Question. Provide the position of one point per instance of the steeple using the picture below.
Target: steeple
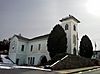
(70, 25)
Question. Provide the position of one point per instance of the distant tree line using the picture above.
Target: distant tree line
(4, 46)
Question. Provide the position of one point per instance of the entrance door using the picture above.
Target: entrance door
(17, 61)
(74, 51)
(43, 60)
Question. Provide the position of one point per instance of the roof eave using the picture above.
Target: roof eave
(70, 17)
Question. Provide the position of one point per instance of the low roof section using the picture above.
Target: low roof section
(24, 38)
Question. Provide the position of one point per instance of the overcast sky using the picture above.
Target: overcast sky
(33, 18)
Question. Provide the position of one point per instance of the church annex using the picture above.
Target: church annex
(34, 51)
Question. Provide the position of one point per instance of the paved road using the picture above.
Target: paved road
(30, 71)
(95, 71)
(24, 71)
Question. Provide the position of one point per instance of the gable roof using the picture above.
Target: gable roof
(69, 17)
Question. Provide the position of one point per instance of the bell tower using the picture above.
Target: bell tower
(70, 24)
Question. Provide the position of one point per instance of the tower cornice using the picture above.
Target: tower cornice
(69, 17)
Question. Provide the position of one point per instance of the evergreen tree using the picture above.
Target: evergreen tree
(86, 48)
(57, 41)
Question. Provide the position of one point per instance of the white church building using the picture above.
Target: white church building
(34, 51)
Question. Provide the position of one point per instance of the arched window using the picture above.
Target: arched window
(66, 27)
(74, 40)
(74, 28)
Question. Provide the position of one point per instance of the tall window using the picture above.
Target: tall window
(74, 28)
(66, 27)
(28, 60)
(22, 49)
(39, 46)
(33, 60)
(31, 47)
(74, 40)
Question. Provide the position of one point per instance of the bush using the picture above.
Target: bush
(86, 48)
(72, 62)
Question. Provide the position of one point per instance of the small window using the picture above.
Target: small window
(39, 47)
(66, 27)
(31, 47)
(74, 28)
(22, 49)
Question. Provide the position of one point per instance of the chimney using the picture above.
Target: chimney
(20, 34)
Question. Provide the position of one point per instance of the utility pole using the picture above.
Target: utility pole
(95, 49)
